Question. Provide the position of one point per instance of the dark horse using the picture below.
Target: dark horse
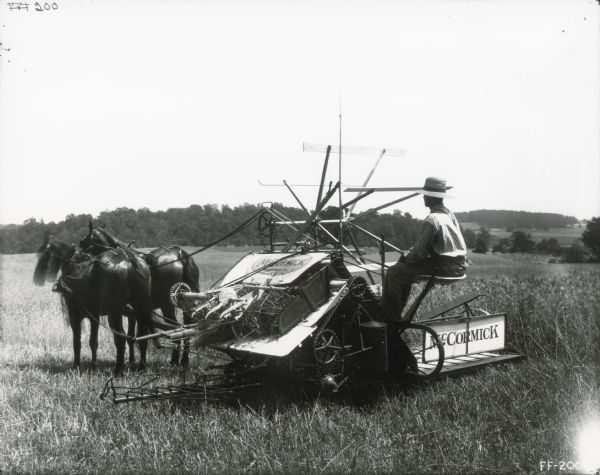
(168, 266)
(92, 286)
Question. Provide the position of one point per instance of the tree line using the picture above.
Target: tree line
(516, 220)
(195, 225)
(198, 225)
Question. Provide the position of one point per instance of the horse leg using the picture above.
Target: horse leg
(168, 311)
(142, 314)
(128, 312)
(130, 339)
(94, 323)
(75, 322)
(115, 320)
(185, 357)
(143, 347)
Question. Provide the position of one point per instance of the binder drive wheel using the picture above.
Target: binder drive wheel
(423, 351)
(327, 353)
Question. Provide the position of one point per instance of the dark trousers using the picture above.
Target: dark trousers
(396, 291)
(400, 277)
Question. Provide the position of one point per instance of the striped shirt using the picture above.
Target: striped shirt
(439, 236)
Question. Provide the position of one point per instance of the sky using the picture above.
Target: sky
(162, 104)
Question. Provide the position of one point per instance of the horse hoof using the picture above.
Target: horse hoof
(139, 367)
(118, 370)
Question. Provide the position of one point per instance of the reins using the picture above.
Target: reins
(189, 254)
(214, 243)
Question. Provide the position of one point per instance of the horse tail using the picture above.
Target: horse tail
(65, 310)
(47, 266)
(41, 268)
(191, 273)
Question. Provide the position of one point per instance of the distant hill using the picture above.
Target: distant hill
(511, 220)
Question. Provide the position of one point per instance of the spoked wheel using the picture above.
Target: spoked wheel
(327, 352)
(326, 347)
(426, 348)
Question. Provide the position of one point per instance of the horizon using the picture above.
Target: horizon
(220, 206)
(150, 104)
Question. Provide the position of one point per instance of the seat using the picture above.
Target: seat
(441, 279)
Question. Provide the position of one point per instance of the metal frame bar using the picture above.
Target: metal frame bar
(360, 256)
(373, 210)
(354, 225)
(284, 219)
(296, 197)
(354, 200)
(315, 236)
(410, 314)
(369, 175)
(324, 221)
(348, 251)
(312, 217)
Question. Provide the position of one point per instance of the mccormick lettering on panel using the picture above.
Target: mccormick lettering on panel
(273, 269)
(463, 337)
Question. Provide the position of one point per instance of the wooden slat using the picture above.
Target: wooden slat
(356, 189)
(426, 365)
(451, 366)
(386, 188)
(472, 361)
(478, 356)
(450, 361)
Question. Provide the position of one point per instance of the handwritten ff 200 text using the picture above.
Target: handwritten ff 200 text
(37, 6)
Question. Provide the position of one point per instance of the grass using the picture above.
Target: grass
(501, 419)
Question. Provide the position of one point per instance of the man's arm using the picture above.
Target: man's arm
(421, 248)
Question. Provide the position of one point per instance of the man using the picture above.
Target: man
(439, 250)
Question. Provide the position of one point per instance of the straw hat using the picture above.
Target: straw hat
(435, 187)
